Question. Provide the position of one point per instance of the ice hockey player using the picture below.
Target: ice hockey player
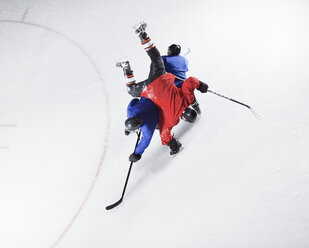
(178, 65)
(144, 114)
(160, 88)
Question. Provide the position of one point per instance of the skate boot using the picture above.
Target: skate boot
(127, 71)
(196, 107)
(174, 145)
(145, 40)
(140, 27)
(123, 63)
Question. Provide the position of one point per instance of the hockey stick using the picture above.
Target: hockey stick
(251, 109)
(247, 106)
(125, 186)
(187, 52)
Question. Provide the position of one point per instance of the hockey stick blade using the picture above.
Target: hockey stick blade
(256, 115)
(125, 185)
(113, 205)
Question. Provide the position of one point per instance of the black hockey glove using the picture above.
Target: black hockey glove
(126, 132)
(203, 87)
(134, 157)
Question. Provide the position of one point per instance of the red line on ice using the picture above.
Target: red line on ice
(93, 63)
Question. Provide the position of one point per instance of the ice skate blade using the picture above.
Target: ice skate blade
(140, 27)
(123, 63)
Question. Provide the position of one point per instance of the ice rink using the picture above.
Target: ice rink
(238, 183)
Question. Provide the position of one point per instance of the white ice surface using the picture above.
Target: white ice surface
(239, 182)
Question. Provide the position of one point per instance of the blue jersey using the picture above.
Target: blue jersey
(178, 66)
(149, 113)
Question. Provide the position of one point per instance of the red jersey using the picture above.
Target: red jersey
(172, 101)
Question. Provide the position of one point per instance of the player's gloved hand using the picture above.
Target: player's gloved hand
(134, 157)
(203, 87)
(126, 132)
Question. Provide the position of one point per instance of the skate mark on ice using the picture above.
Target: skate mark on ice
(7, 125)
(24, 15)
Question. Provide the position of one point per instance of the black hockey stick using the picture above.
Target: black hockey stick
(251, 109)
(125, 186)
(187, 52)
(247, 106)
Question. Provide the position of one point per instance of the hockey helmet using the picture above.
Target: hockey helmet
(173, 50)
(189, 115)
(133, 123)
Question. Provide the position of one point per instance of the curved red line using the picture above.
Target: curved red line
(85, 199)
(7, 125)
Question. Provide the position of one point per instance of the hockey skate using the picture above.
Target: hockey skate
(176, 154)
(140, 27)
(127, 71)
(123, 63)
(175, 146)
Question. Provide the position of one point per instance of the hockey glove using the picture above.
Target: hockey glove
(126, 132)
(134, 157)
(203, 87)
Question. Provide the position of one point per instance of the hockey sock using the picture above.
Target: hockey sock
(128, 76)
(146, 41)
